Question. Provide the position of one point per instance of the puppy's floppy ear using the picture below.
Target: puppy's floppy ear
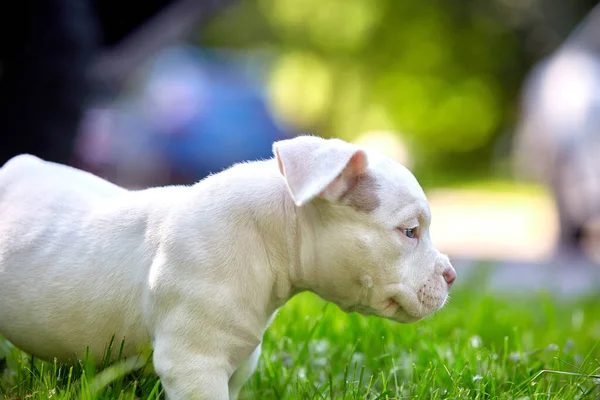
(316, 167)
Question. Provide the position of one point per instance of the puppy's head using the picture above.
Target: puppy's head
(368, 218)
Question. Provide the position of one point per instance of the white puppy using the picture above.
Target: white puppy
(198, 272)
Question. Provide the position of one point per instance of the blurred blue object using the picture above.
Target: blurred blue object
(229, 121)
(198, 112)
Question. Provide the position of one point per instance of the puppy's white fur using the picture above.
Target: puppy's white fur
(198, 272)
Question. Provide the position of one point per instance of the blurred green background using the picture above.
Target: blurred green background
(438, 85)
(444, 75)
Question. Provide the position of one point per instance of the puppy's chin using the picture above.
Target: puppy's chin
(393, 312)
(405, 305)
(409, 306)
(403, 317)
(407, 319)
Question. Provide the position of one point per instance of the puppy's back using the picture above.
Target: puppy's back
(70, 242)
(33, 174)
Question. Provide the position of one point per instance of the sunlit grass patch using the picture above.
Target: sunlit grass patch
(479, 346)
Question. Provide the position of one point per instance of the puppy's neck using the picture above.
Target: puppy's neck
(285, 252)
(293, 267)
(302, 269)
(289, 271)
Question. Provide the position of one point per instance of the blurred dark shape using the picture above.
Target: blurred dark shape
(45, 49)
(558, 138)
(193, 113)
(133, 33)
(49, 49)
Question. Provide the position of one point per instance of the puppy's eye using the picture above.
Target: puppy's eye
(411, 233)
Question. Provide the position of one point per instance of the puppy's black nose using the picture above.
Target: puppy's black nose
(450, 276)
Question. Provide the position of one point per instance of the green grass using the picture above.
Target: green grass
(479, 346)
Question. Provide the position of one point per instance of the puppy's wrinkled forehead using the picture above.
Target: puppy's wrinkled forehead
(388, 185)
(339, 171)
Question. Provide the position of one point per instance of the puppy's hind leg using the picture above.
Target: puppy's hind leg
(244, 371)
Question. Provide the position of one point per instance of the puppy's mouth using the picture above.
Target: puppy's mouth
(390, 309)
(402, 304)
(393, 310)
(392, 306)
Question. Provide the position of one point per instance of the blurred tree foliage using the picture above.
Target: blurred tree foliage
(444, 74)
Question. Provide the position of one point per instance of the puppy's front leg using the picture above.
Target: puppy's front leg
(244, 371)
(187, 375)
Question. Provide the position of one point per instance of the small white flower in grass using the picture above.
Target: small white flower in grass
(569, 345)
(552, 347)
(323, 377)
(477, 378)
(320, 346)
(394, 370)
(358, 358)
(514, 356)
(577, 319)
(475, 342)
(406, 362)
(321, 362)
(284, 358)
(449, 354)
(302, 373)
